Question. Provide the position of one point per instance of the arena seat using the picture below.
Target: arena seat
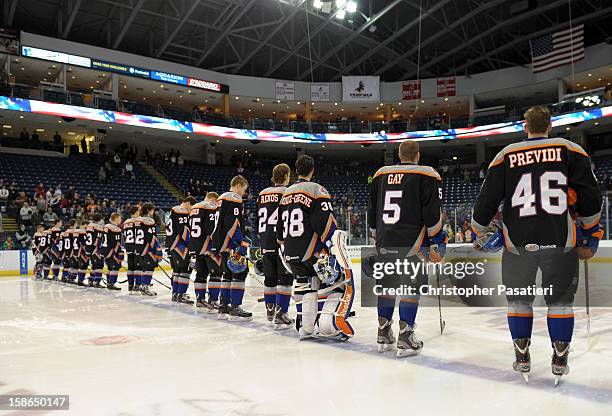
(82, 172)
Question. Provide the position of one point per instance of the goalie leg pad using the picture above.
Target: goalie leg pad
(309, 312)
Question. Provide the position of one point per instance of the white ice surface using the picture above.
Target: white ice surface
(176, 360)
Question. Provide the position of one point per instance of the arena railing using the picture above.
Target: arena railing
(436, 122)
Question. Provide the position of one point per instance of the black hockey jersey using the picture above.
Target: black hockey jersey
(177, 231)
(405, 206)
(93, 236)
(144, 232)
(129, 234)
(202, 220)
(307, 221)
(267, 217)
(41, 242)
(110, 245)
(534, 179)
(228, 232)
(65, 245)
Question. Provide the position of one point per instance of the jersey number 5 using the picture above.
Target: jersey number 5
(552, 200)
(391, 210)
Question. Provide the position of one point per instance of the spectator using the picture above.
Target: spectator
(4, 195)
(9, 244)
(180, 161)
(41, 204)
(84, 145)
(22, 238)
(40, 190)
(24, 135)
(102, 175)
(49, 217)
(117, 160)
(25, 214)
(129, 169)
(58, 191)
(57, 139)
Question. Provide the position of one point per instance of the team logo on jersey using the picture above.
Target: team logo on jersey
(532, 247)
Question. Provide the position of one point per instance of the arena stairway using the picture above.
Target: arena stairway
(9, 225)
(161, 179)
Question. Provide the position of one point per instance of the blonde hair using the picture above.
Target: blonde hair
(239, 180)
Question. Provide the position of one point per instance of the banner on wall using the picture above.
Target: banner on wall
(23, 262)
(285, 90)
(411, 90)
(9, 41)
(319, 91)
(447, 87)
(361, 88)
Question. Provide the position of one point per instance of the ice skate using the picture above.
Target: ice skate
(91, 283)
(208, 307)
(238, 314)
(224, 311)
(522, 363)
(183, 298)
(146, 291)
(135, 290)
(559, 365)
(281, 320)
(304, 334)
(270, 311)
(407, 342)
(111, 286)
(385, 338)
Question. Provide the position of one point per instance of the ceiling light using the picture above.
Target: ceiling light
(317, 4)
(237, 97)
(257, 99)
(446, 99)
(73, 77)
(40, 130)
(567, 128)
(48, 73)
(341, 14)
(7, 126)
(351, 7)
(340, 3)
(59, 121)
(299, 103)
(399, 103)
(71, 133)
(590, 75)
(454, 157)
(422, 101)
(189, 91)
(335, 103)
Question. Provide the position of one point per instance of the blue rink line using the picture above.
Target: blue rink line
(566, 387)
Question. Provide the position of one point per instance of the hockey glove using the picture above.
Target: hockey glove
(588, 241)
(437, 246)
(492, 240)
(242, 249)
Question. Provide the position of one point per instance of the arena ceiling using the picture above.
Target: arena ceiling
(294, 39)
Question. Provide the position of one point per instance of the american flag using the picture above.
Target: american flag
(556, 49)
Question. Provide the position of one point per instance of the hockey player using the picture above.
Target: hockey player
(177, 247)
(306, 232)
(535, 179)
(129, 238)
(82, 257)
(93, 239)
(201, 226)
(112, 250)
(41, 243)
(229, 243)
(66, 253)
(277, 279)
(147, 250)
(55, 251)
(405, 207)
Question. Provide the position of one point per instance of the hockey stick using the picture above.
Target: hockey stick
(434, 248)
(587, 297)
(442, 321)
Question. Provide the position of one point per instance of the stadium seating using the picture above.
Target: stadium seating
(82, 172)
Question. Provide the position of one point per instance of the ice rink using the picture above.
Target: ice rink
(117, 354)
